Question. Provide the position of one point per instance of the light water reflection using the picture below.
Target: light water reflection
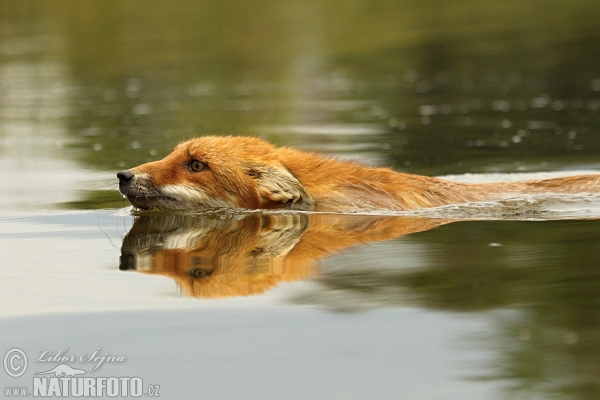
(535, 281)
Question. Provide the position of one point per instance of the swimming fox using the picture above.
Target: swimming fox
(250, 173)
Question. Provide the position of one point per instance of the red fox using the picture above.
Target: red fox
(250, 173)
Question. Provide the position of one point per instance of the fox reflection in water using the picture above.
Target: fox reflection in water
(239, 255)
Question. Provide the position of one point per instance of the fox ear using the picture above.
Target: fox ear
(277, 185)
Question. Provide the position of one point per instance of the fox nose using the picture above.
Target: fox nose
(125, 176)
(126, 262)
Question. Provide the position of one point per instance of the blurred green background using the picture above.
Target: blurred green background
(427, 86)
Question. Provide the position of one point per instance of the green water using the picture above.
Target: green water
(508, 303)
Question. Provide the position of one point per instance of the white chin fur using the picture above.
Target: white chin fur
(191, 198)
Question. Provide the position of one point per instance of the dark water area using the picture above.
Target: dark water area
(492, 300)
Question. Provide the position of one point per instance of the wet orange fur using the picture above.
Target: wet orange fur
(247, 172)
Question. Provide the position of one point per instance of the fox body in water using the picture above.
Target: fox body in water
(245, 172)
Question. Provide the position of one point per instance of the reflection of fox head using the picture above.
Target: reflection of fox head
(212, 256)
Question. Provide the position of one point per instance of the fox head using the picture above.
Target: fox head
(215, 172)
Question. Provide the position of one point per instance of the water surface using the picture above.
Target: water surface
(475, 301)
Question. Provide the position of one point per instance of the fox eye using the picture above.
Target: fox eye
(196, 166)
(199, 272)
